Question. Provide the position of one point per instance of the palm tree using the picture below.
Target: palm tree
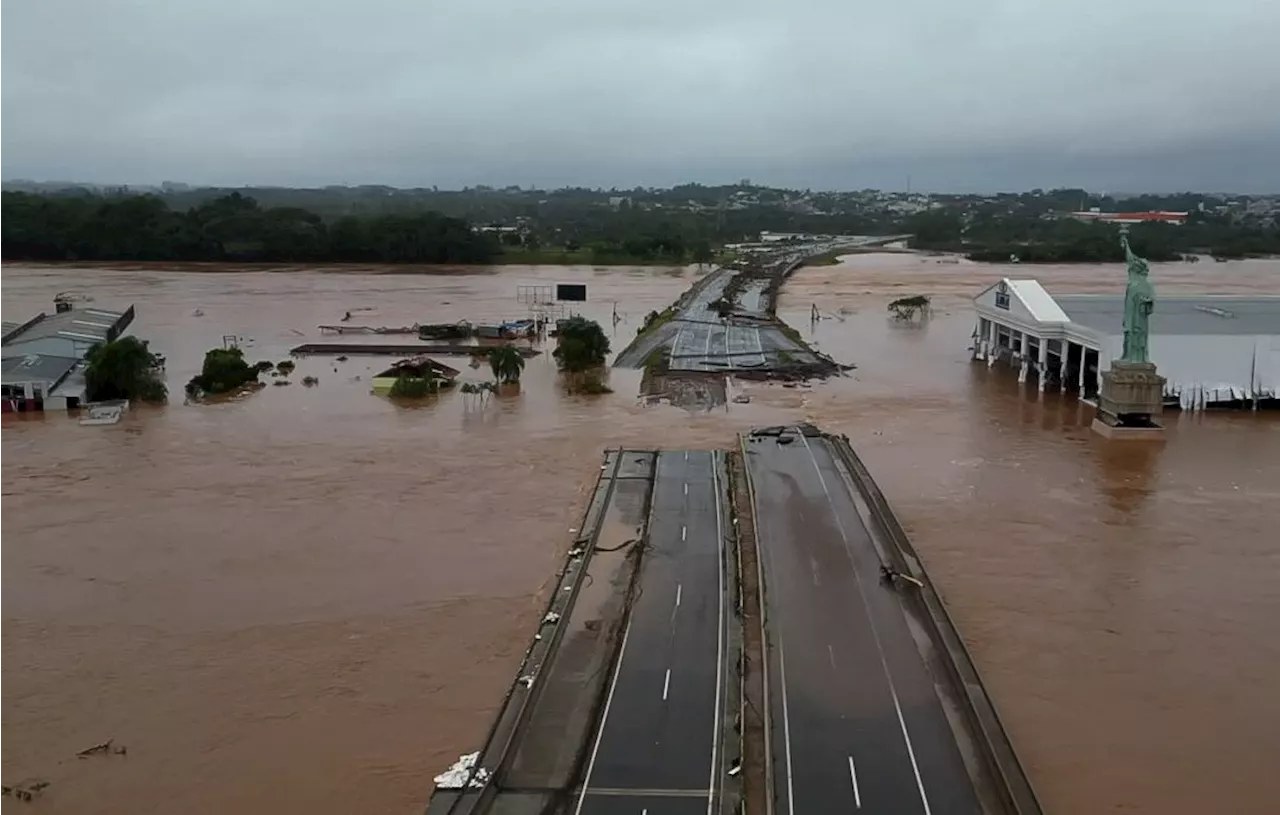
(481, 392)
(507, 364)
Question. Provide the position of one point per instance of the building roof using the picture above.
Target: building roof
(90, 325)
(73, 384)
(1133, 217)
(1038, 301)
(419, 366)
(1179, 314)
(36, 368)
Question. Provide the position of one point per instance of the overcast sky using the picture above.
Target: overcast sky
(966, 95)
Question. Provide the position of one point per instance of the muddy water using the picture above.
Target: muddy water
(313, 598)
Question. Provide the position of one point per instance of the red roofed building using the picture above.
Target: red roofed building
(1177, 218)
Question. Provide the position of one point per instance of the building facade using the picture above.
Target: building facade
(1211, 349)
(43, 359)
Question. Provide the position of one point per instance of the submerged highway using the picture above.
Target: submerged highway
(857, 724)
(658, 748)
(642, 694)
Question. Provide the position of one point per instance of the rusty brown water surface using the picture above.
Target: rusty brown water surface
(313, 599)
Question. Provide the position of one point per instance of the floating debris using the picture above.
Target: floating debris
(25, 790)
(551, 618)
(103, 414)
(103, 749)
(464, 772)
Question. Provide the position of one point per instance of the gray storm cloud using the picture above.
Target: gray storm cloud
(960, 94)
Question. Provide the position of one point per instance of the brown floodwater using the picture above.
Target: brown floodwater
(312, 599)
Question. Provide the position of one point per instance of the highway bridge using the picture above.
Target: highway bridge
(856, 723)
(633, 695)
(726, 321)
(658, 745)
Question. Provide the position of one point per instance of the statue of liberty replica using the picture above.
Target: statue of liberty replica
(1132, 393)
(1139, 302)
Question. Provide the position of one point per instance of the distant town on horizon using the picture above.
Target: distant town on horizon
(129, 188)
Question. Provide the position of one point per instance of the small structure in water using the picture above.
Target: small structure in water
(418, 369)
(101, 413)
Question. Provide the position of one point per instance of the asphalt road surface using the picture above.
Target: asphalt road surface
(708, 346)
(658, 746)
(857, 725)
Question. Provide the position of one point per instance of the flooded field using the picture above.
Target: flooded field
(312, 599)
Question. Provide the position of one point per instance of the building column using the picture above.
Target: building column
(1080, 374)
(979, 337)
(1023, 362)
(1064, 351)
(1042, 362)
(993, 343)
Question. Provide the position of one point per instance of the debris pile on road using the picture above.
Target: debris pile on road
(464, 772)
(726, 323)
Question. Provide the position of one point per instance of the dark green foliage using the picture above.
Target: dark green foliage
(224, 370)
(904, 308)
(285, 366)
(683, 224)
(936, 229)
(581, 344)
(124, 369)
(506, 363)
(915, 301)
(413, 387)
(230, 228)
(593, 385)
(1065, 240)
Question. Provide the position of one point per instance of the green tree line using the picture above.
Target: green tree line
(230, 228)
(987, 236)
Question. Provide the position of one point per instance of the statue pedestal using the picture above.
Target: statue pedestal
(1130, 402)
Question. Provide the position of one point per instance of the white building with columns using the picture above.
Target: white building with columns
(1211, 349)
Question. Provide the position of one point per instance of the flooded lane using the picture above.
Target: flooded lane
(1118, 600)
(314, 597)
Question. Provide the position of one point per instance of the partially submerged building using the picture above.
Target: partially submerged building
(420, 368)
(1211, 349)
(43, 358)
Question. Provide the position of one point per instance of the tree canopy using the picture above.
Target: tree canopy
(230, 228)
(581, 344)
(124, 369)
(223, 371)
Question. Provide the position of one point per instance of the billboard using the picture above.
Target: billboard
(576, 292)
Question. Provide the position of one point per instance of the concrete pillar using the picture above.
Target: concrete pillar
(1080, 374)
(1022, 356)
(1043, 361)
(1064, 351)
(979, 338)
(993, 344)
